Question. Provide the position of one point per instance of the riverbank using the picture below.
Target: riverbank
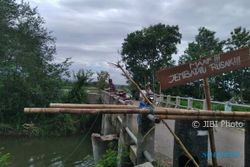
(62, 125)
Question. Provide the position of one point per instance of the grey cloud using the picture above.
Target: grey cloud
(221, 16)
(91, 31)
(81, 5)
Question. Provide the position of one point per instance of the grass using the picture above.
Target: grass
(89, 89)
(92, 89)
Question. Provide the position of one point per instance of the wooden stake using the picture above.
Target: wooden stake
(210, 130)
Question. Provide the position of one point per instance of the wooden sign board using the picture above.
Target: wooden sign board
(205, 67)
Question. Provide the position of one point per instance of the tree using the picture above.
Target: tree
(146, 51)
(240, 79)
(102, 78)
(29, 76)
(78, 92)
(240, 38)
(205, 44)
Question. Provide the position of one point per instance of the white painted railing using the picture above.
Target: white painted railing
(178, 101)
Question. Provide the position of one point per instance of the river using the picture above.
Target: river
(49, 152)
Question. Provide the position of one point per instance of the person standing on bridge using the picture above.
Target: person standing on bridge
(148, 88)
(146, 91)
(111, 86)
(144, 104)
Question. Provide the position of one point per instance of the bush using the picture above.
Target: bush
(5, 159)
(109, 159)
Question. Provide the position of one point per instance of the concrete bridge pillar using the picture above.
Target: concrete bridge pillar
(101, 143)
(145, 137)
(196, 141)
(107, 127)
(124, 143)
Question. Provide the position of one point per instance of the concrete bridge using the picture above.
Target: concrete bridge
(143, 145)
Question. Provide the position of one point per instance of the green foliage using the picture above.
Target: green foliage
(102, 78)
(109, 159)
(145, 51)
(240, 37)
(240, 79)
(29, 77)
(78, 92)
(5, 159)
(56, 125)
(205, 44)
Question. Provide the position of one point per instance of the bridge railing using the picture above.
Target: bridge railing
(189, 102)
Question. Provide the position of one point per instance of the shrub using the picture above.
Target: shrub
(5, 159)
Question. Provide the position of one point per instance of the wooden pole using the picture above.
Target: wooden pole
(158, 111)
(210, 130)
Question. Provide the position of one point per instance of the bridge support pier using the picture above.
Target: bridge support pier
(196, 141)
(146, 138)
(247, 143)
(101, 143)
(124, 143)
(107, 127)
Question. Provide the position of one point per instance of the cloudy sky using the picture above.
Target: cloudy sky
(91, 31)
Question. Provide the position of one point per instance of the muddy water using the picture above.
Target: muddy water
(48, 152)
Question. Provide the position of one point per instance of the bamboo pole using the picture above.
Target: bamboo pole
(85, 110)
(89, 106)
(158, 111)
(198, 117)
(176, 111)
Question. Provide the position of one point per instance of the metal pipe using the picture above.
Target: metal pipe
(119, 119)
(131, 135)
(153, 118)
(148, 156)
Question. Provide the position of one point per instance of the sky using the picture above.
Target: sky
(91, 32)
